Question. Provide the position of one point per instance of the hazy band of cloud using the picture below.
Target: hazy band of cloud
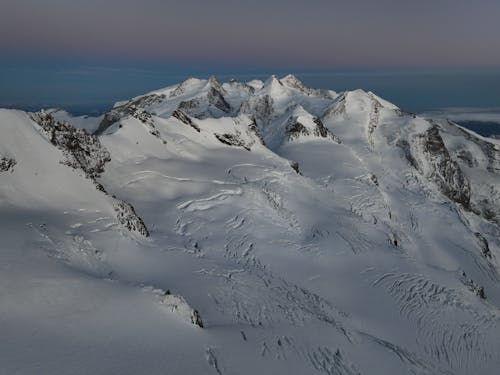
(465, 114)
(314, 33)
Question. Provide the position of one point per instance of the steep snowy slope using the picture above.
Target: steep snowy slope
(242, 228)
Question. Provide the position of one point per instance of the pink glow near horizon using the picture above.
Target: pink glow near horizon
(315, 33)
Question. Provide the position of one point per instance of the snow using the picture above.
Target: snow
(88, 123)
(353, 265)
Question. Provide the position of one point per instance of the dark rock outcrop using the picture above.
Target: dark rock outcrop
(231, 140)
(404, 145)
(295, 167)
(7, 164)
(185, 119)
(108, 120)
(473, 286)
(483, 243)
(262, 107)
(255, 130)
(133, 107)
(216, 99)
(446, 173)
(81, 150)
(295, 129)
(126, 215)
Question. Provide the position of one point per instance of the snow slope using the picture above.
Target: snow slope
(242, 228)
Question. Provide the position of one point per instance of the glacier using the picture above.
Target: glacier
(248, 227)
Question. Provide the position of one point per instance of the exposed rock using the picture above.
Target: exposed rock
(295, 129)
(146, 101)
(491, 150)
(322, 131)
(129, 108)
(214, 83)
(374, 118)
(293, 82)
(338, 108)
(295, 167)
(262, 107)
(181, 88)
(185, 119)
(216, 99)
(7, 164)
(402, 113)
(196, 319)
(473, 286)
(81, 150)
(108, 120)
(177, 304)
(255, 130)
(483, 243)
(466, 157)
(211, 104)
(404, 145)
(242, 86)
(189, 105)
(126, 215)
(445, 173)
(147, 119)
(231, 140)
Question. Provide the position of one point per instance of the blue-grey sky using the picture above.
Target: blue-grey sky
(260, 33)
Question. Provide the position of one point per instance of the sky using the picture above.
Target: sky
(314, 34)
(84, 55)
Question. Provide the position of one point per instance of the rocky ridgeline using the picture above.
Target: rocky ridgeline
(232, 140)
(178, 305)
(483, 244)
(182, 87)
(473, 286)
(374, 118)
(85, 152)
(254, 129)
(81, 150)
(428, 154)
(261, 107)
(212, 105)
(7, 164)
(126, 215)
(133, 108)
(216, 99)
(185, 119)
(295, 129)
(446, 173)
(338, 108)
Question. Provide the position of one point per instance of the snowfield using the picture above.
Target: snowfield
(246, 228)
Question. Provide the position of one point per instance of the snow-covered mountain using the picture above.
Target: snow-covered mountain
(243, 228)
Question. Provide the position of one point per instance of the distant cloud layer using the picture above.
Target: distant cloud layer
(466, 114)
(291, 33)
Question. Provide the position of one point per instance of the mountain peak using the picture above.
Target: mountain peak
(293, 82)
(272, 81)
(214, 82)
(302, 242)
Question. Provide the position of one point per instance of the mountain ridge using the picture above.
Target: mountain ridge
(258, 226)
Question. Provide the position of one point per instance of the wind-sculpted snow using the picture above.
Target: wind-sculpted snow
(454, 341)
(243, 228)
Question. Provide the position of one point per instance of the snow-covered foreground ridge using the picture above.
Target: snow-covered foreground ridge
(246, 228)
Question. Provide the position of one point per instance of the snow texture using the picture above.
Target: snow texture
(244, 228)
